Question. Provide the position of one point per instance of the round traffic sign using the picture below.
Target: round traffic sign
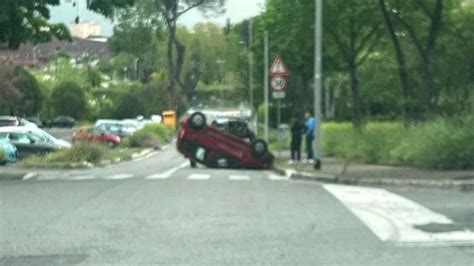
(278, 83)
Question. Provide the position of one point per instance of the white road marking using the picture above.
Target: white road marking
(83, 177)
(393, 218)
(168, 173)
(146, 156)
(119, 176)
(199, 176)
(276, 177)
(239, 177)
(29, 176)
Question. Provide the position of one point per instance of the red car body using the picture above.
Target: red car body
(93, 134)
(210, 146)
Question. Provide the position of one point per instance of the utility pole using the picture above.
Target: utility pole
(318, 17)
(265, 83)
(250, 54)
(221, 62)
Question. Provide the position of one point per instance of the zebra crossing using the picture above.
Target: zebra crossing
(167, 176)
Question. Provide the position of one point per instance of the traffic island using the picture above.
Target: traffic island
(341, 172)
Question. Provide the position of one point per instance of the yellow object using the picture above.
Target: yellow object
(169, 118)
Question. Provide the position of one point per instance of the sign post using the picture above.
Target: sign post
(318, 14)
(278, 71)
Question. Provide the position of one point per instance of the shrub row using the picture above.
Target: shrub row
(152, 135)
(440, 143)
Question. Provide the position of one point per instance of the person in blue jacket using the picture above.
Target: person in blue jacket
(309, 135)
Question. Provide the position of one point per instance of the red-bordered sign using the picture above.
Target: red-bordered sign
(278, 67)
(278, 83)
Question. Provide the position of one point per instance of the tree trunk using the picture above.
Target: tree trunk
(400, 57)
(173, 103)
(356, 112)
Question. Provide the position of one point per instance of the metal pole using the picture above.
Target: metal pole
(265, 84)
(222, 91)
(317, 81)
(250, 63)
(278, 125)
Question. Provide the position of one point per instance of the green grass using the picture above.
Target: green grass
(152, 135)
(80, 154)
(443, 143)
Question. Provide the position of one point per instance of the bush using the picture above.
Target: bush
(79, 152)
(69, 99)
(152, 135)
(442, 143)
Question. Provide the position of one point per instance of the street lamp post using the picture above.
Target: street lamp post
(222, 62)
(317, 80)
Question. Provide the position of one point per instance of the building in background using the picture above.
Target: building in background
(41, 53)
(85, 29)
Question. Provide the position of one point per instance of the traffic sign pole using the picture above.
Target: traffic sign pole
(317, 81)
(265, 83)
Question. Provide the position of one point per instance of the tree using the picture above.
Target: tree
(425, 44)
(171, 11)
(400, 56)
(32, 96)
(354, 27)
(10, 95)
(69, 99)
(27, 20)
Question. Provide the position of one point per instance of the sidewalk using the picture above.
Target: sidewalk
(337, 171)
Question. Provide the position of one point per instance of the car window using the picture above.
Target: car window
(37, 137)
(19, 138)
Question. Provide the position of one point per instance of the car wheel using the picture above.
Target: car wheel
(259, 148)
(193, 164)
(197, 120)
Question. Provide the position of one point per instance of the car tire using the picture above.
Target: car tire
(197, 120)
(193, 164)
(259, 148)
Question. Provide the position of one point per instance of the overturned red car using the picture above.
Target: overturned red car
(212, 147)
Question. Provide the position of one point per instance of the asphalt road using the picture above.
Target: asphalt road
(160, 211)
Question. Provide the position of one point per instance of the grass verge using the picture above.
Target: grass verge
(81, 154)
(442, 143)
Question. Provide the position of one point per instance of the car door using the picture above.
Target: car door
(22, 143)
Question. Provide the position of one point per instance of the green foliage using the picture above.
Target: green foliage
(80, 152)
(442, 143)
(23, 21)
(152, 135)
(69, 99)
(32, 100)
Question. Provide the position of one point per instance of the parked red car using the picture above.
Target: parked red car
(96, 134)
(214, 148)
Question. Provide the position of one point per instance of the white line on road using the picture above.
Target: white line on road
(83, 177)
(393, 218)
(168, 173)
(239, 177)
(119, 176)
(199, 176)
(276, 177)
(29, 176)
(146, 156)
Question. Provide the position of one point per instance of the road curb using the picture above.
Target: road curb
(17, 176)
(460, 185)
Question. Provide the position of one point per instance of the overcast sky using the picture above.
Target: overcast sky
(236, 11)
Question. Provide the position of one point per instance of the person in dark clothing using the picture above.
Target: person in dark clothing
(310, 122)
(297, 130)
